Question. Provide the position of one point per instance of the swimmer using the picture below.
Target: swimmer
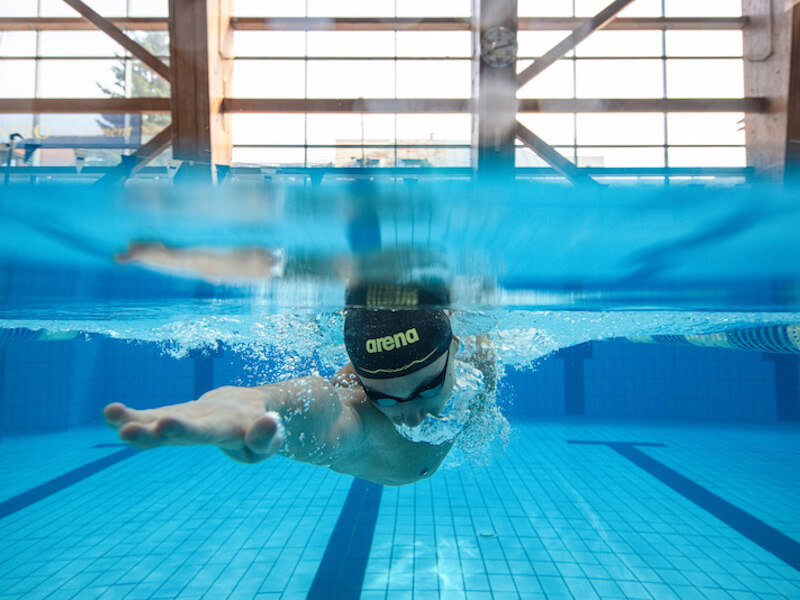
(389, 416)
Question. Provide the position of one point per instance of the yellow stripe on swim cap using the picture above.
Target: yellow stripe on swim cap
(411, 364)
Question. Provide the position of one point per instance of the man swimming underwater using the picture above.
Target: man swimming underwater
(389, 416)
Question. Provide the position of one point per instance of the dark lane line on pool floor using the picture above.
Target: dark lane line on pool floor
(340, 574)
(770, 539)
(40, 492)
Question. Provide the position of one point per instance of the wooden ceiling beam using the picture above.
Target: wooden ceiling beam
(118, 36)
(383, 105)
(553, 157)
(83, 105)
(556, 105)
(580, 33)
(79, 24)
(355, 24)
(792, 170)
(201, 55)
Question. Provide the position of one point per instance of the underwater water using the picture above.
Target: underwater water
(603, 468)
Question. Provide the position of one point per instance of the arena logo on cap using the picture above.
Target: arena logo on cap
(392, 342)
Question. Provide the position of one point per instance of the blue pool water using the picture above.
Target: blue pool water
(630, 470)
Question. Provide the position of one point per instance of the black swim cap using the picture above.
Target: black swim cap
(392, 343)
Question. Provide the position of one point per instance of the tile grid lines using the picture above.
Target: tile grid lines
(588, 522)
(395, 534)
(638, 537)
(743, 545)
(289, 484)
(210, 535)
(685, 559)
(514, 466)
(430, 511)
(452, 520)
(448, 516)
(577, 561)
(493, 516)
(476, 533)
(294, 571)
(633, 527)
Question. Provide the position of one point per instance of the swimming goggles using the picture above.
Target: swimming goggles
(426, 390)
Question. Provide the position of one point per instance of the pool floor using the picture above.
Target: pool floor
(655, 510)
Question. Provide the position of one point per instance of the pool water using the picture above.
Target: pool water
(631, 470)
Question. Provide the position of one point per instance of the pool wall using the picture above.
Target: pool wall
(55, 385)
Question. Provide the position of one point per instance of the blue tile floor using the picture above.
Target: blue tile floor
(548, 519)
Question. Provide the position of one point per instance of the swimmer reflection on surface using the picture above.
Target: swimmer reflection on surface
(401, 375)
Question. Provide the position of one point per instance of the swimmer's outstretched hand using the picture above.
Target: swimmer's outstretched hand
(233, 419)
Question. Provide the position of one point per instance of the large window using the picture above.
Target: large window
(638, 64)
(302, 60)
(81, 64)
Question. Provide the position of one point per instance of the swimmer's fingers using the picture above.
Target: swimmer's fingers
(168, 431)
(117, 415)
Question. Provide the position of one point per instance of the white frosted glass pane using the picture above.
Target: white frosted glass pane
(621, 43)
(447, 128)
(704, 43)
(269, 8)
(351, 79)
(268, 129)
(268, 79)
(705, 128)
(620, 128)
(705, 78)
(542, 8)
(434, 79)
(321, 157)
(22, 73)
(17, 43)
(619, 79)
(155, 42)
(525, 157)
(620, 157)
(59, 8)
(707, 8)
(148, 8)
(76, 78)
(439, 8)
(707, 157)
(351, 8)
(537, 43)
(434, 43)
(269, 156)
(17, 9)
(269, 43)
(554, 82)
(78, 43)
(351, 43)
(638, 8)
(350, 129)
(553, 128)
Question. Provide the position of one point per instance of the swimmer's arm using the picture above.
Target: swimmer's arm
(214, 265)
(303, 419)
(320, 428)
(484, 357)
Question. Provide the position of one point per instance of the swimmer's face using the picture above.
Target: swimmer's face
(413, 412)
